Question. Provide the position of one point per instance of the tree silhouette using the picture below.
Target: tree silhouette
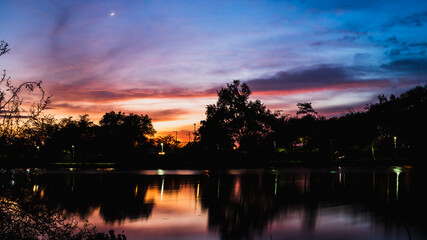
(12, 123)
(305, 108)
(4, 47)
(403, 118)
(122, 134)
(135, 127)
(234, 119)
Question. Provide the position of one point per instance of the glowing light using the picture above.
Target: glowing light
(160, 172)
(198, 190)
(35, 188)
(341, 176)
(112, 14)
(395, 142)
(397, 170)
(136, 190)
(162, 152)
(163, 187)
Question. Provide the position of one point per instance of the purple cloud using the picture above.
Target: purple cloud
(316, 78)
(106, 94)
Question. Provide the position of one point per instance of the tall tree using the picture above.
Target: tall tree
(235, 120)
(123, 132)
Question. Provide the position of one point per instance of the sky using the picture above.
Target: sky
(167, 59)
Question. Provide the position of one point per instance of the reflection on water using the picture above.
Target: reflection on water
(338, 203)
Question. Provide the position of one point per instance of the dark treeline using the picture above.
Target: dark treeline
(118, 137)
(236, 132)
(393, 129)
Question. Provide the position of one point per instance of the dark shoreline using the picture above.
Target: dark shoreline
(219, 163)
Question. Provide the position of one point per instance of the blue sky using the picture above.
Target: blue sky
(167, 58)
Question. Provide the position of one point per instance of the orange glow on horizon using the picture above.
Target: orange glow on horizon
(171, 113)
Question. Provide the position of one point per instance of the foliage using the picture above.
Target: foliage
(393, 128)
(12, 104)
(169, 142)
(235, 120)
(122, 134)
(403, 117)
(135, 126)
(76, 140)
(305, 108)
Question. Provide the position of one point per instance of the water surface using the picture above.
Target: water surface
(296, 203)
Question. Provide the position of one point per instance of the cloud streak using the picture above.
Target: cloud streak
(414, 20)
(161, 115)
(316, 78)
(110, 94)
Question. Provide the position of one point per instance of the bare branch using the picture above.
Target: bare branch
(4, 47)
(12, 104)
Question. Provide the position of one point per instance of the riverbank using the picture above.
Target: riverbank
(212, 161)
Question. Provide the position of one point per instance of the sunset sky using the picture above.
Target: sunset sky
(167, 58)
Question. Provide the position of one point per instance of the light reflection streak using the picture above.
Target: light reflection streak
(198, 190)
(136, 190)
(341, 176)
(163, 187)
(237, 187)
(397, 170)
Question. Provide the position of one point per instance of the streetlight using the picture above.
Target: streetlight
(395, 146)
(72, 152)
(162, 152)
(395, 142)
